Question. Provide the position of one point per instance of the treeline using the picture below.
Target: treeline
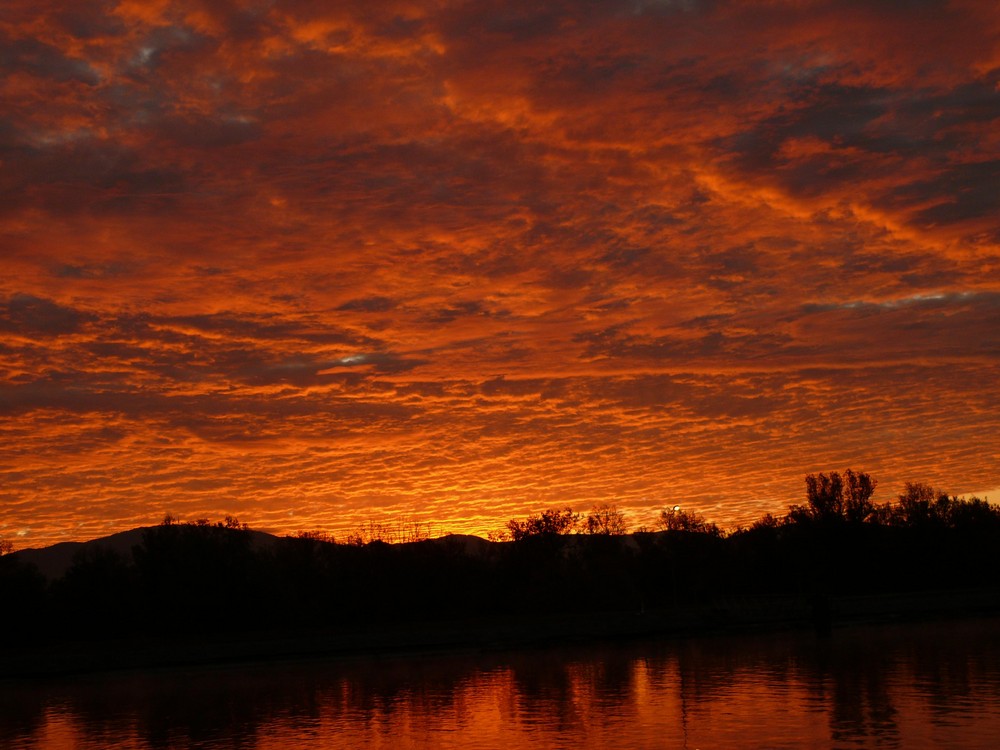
(219, 578)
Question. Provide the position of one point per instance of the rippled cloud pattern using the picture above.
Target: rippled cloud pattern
(314, 263)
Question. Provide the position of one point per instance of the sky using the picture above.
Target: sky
(314, 264)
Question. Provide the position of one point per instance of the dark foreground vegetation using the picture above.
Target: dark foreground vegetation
(187, 581)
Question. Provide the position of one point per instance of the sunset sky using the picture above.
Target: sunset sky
(315, 263)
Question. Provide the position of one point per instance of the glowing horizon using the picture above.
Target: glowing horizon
(461, 262)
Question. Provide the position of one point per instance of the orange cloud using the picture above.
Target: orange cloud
(460, 262)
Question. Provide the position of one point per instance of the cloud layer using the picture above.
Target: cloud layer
(459, 261)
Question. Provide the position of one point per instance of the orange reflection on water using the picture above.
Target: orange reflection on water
(917, 686)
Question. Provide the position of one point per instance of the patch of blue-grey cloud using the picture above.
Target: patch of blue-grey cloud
(942, 300)
(41, 59)
(32, 316)
(162, 41)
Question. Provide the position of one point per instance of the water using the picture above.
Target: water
(915, 686)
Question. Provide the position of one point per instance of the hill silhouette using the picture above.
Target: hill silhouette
(53, 561)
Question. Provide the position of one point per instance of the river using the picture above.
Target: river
(924, 685)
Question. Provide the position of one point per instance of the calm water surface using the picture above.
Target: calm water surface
(917, 686)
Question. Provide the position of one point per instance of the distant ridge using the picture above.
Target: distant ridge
(53, 562)
(473, 546)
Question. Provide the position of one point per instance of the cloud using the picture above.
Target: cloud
(368, 304)
(463, 261)
(44, 60)
(380, 362)
(33, 316)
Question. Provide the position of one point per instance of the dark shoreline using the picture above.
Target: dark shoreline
(730, 616)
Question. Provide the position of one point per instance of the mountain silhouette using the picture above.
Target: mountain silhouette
(53, 561)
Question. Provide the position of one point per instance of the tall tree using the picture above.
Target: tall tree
(551, 522)
(605, 519)
(825, 495)
(858, 490)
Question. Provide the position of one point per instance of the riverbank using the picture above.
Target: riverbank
(731, 615)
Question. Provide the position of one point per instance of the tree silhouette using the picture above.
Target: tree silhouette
(834, 497)
(549, 523)
(197, 576)
(825, 495)
(605, 519)
(858, 490)
(921, 506)
(676, 519)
